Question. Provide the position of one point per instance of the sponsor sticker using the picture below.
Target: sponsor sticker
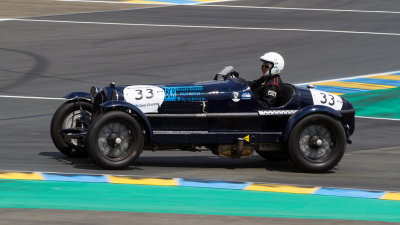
(247, 138)
(235, 96)
(276, 112)
(184, 93)
(246, 96)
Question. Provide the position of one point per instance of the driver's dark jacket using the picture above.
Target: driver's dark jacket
(268, 89)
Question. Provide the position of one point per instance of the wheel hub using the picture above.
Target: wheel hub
(118, 141)
(114, 140)
(315, 142)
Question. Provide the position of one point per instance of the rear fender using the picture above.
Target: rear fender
(133, 110)
(312, 109)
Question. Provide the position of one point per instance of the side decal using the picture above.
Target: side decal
(235, 96)
(246, 95)
(247, 138)
(184, 93)
(276, 112)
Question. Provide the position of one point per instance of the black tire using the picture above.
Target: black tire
(275, 156)
(317, 143)
(62, 119)
(102, 144)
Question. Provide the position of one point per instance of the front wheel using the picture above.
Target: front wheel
(68, 116)
(317, 143)
(115, 140)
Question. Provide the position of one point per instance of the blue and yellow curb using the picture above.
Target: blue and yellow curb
(248, 186)
(357, 84)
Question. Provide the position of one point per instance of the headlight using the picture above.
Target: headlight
(93, 92)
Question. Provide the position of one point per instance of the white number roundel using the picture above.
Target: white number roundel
(146, 97)
(326, 99)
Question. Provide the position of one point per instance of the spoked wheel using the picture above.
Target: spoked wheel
(317, 143)
(115, 140)
(69, 115)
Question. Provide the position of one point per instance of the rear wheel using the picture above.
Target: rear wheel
(67, 116)
(317, 143)
(115, 140)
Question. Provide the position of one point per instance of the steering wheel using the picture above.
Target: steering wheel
(234, 74)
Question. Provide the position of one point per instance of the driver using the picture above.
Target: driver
(269, 87)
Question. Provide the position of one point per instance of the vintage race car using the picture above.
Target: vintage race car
(113, 125)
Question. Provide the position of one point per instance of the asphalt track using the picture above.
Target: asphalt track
(51, 59)
(49, 217)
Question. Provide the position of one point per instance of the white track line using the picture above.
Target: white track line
(349, 78)
(207, 27)
(142, 3)
(377, 118)
(238, 6)
(300, 9)
(31, 97)
(116, 2)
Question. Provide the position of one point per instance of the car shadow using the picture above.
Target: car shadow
(80, 163)
(215, 162)
(207, 162)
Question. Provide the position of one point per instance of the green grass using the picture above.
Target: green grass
(187, 200)
(378, 103)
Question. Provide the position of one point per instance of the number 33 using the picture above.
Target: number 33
(325, 99)
(149, 94)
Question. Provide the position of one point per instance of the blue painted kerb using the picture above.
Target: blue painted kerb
(349, 193)
(75, 178)
(212, 184)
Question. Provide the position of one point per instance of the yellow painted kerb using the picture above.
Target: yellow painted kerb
(386, 77)
(354, 85)
(282, 188)
(143, 181)
(21, 176)
(391, 196)
(336, 93)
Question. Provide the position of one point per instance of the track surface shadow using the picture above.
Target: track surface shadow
(56, 216)
(205, 162)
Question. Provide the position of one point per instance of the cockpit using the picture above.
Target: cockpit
(228, 74)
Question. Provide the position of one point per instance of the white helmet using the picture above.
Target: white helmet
(277, 62)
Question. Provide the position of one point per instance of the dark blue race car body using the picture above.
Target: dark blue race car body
(223, 115)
